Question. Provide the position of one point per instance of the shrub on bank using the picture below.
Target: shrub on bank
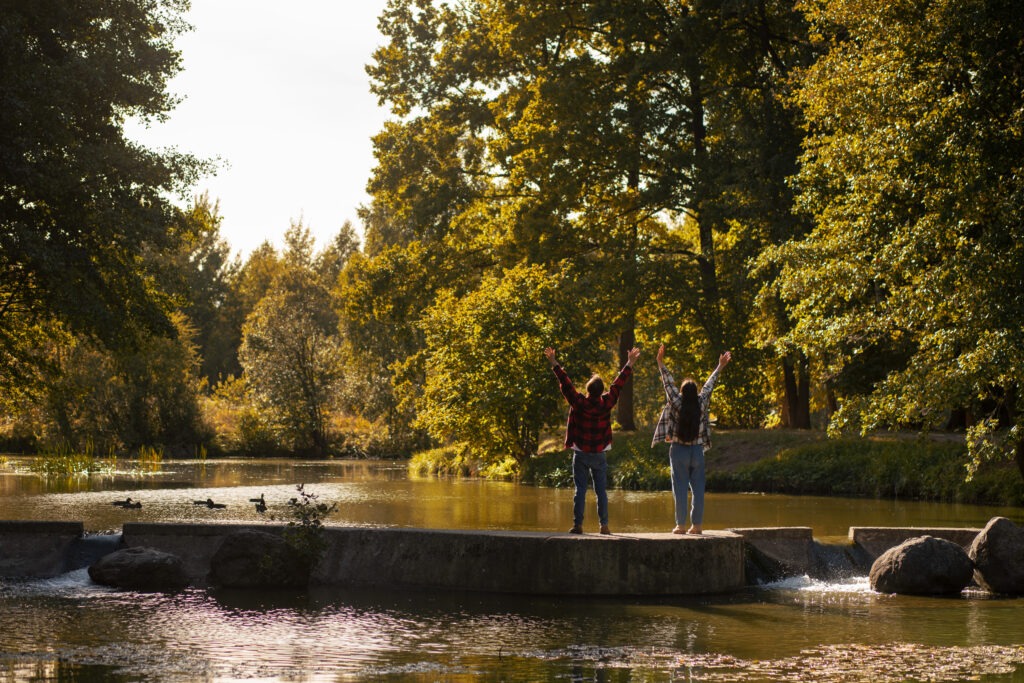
(241, 427)
(875, 467)
(552, 468)
(444, 461)
(459, 461)
(634, 465)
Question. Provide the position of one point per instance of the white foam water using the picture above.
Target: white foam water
(853, 584)
(75, 583)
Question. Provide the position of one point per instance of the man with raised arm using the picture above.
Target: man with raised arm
(589, 434)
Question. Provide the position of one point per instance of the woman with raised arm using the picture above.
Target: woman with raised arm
(685, 426)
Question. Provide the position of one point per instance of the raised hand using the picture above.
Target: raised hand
(633, 354)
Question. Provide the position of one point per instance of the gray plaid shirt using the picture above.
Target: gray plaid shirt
(665, 428)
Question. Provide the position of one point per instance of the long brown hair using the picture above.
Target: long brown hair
(688, 419)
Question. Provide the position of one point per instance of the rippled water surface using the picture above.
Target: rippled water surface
(69, 629)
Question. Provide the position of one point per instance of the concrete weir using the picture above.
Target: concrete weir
(491, 561)
(536, 563)
(39, 549)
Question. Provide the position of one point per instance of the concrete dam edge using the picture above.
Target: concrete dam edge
(524, 562)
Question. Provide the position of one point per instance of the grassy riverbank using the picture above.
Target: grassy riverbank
(777, 461)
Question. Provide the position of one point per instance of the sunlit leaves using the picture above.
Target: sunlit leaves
(912, 172)
(488, 385)
(575, 135)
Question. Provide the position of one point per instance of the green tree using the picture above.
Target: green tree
(380, 300)
(487, 386)
(332, 259)
(256, 276)
(907, 288)
(291, 350)
(145, 395)
(247, 283)
(78, 201)
(582, 137)
(198, 276)
(162, 384)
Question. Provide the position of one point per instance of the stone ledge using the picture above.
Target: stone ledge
(37, 549)
(876, 540)
(790, 548)
(526, 562)
(33, 527)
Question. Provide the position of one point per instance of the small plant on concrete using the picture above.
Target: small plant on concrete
(305, 530)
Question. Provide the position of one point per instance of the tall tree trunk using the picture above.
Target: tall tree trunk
(708, 313)
(796, 404)
(630, 275)
(831, 402)
(708, 275)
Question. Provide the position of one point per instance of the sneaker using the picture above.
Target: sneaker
(576, 530)
(605, 530)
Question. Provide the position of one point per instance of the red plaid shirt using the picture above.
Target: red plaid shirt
(589, 428)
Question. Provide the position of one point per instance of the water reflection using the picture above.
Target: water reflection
(68, 629)
(800, 631)
(382, 494)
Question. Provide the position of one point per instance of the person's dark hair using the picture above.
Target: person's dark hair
(688, 420)
(595, 387)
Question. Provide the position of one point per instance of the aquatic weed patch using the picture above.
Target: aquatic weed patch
(69, 464)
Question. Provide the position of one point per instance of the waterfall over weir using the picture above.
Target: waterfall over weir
(91, 547)
(839, 560)
(776, 554)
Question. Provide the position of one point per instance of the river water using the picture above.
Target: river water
(68, 629)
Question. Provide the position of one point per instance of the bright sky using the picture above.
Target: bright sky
(279, 91)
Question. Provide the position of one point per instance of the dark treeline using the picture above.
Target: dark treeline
(831, 190)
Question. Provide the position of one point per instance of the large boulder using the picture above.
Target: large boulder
(922, 566)
(141, 569)
(998, 555)
(257, 559)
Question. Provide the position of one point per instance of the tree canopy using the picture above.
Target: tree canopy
(290, 348)
(830, 189)
(79, 202)
(615, 143)
(907, 291)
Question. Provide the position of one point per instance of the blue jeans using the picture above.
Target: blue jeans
(585, 465)
(687, 474)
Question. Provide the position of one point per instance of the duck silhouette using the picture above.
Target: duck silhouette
(261, 503)
(210, 504)
(127, 503)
